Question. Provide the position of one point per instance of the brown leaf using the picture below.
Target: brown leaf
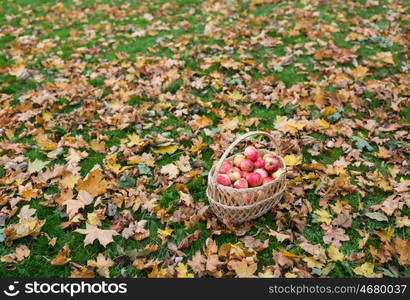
(403, 250)
(93, 183)
(255, 244)
(93, 233)
(189, 239)
(335, 235)
(102, 264)
(244, 270)
(198, 263)
(61, 258)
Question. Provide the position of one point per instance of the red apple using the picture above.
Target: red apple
(225, 167)
(223, 179)
(262, 172)
(244, 174)
(267, 179)
(251, 153)
(234, 174)
(241, 184)
(272, 164)
(259, 163)
(238, 159)
(268, 155)
(254, 179)
(247, 165)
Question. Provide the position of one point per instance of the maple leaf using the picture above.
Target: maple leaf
(293, 160)
(198, 263)
(255, 244)
(45, 143)
(359, 72)
(335, 254)
(170, 149)
(403, 250)
(182, 271)
(102, 264)
(323, 216)
(94, 183)
(61, 258)
(20, 253)
(367, 270)
(26, 213)
(69, 181)
(93, 233)
(170, 169)
(313, 263)
(200, 122)
(319, 97)
(389, 205)
(163, 234)
(279, 236)
(37, 165)
(134, 140)
(243, 270)
(385, 57)
(73, 206)
(335, 235)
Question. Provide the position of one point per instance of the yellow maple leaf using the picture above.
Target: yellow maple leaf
(366, 270)
(294, 126)
(94, 183)
(134, 140)
(323, 124)
(182, 271)
(385, 235)
(70, 180)
(165, 233)
(235, 95)
(170, 149)
(359, 72)
(313, 263)
(329, 110)
(334, 254)
(45, 143)
(293, 160)
(323, 216)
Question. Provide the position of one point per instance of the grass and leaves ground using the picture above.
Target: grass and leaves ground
(113, 112)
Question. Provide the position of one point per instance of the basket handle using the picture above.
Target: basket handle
(234, 143)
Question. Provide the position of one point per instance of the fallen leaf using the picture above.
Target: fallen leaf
(102, 264)
(335, 254)
(244, 270)
(171, 170)
(62, 256)
(366, 270)
(93, 233)
(93, 183)
(293, 160)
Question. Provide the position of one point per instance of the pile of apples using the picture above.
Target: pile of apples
(249, 169)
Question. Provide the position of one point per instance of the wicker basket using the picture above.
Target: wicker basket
(236, 206)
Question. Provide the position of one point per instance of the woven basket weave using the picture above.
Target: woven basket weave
(236, 206)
